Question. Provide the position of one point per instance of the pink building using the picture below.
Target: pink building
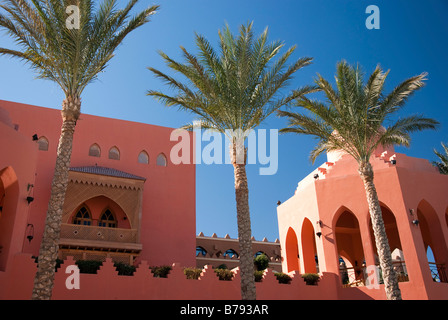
(325, 226)
(126, 202)
(119, 201)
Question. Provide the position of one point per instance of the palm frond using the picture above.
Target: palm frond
(72, 58)
(353, 115)
(237, 85)
(442, 164)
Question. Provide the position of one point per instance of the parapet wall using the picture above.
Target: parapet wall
(17, 283)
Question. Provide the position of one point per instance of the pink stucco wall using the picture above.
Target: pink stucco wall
(411, 183)
(108, 285)
(168, 227)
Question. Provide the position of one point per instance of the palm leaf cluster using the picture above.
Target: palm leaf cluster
(442, 165)
(235, 88)
(232, 91)
(355, 113)
(71, 57)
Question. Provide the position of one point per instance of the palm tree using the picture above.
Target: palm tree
(352, 119)
(233, 92)
(442, 165)
(70, 50)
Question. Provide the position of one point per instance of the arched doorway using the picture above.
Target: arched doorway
(393, 237)
(9, 194)
(349, 246)
(432, 235)
(292, 251)
(309, 250)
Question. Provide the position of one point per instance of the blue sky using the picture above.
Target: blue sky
(412, 39)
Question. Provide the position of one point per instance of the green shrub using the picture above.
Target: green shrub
(224, 274)
(311, 279)
(283, 277)
(258, 275)
(192, 273)
(161, 272)
(124, 269)
(261, 262)
(88, 266)
(222, 266)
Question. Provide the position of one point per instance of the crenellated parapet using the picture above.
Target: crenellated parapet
(107, 284)
(216, 251)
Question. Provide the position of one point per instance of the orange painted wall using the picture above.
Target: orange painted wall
(17, 170)
(409, 184)
(168, 227)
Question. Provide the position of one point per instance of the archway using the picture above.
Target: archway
(9, 195)
(432, 235)
(393, 237)
(292, 251)
(446, 217)
(97, 207)
(309, 250)
(349, 245)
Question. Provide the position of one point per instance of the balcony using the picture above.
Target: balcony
(84, 237)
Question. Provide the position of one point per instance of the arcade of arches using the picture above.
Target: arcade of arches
(301, 253)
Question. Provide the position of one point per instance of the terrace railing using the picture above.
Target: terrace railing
(438, 272)
(97, 233)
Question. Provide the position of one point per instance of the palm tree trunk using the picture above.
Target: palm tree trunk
(248, 291)
(382, 244)
(48, 253)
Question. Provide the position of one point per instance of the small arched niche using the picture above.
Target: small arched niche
(143, 157)
(95, 150)
(43, 143)
(114, 153)
(161, 160)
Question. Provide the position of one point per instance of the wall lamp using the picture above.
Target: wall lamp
(28, 188)
(415, 221)
(35, 137)
(30, 232)
(319, 223)
(316, 176)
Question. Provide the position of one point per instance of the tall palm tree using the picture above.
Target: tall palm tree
(232, 92)
(442, 165)
(70, 49)
(352, 119)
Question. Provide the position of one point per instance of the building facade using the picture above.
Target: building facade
(118, 202)
(119, 208)
(325, 226)
(216, 251)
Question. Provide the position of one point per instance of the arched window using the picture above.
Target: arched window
(94, 150)
(231, 254)
(114, 153)
(292, 251)
(43, 143)
(82, 217)
(200, 251)
(309, 250)
(349, 246)
(107, 219)
(433, 237)
(143, 157)
(161, 160)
